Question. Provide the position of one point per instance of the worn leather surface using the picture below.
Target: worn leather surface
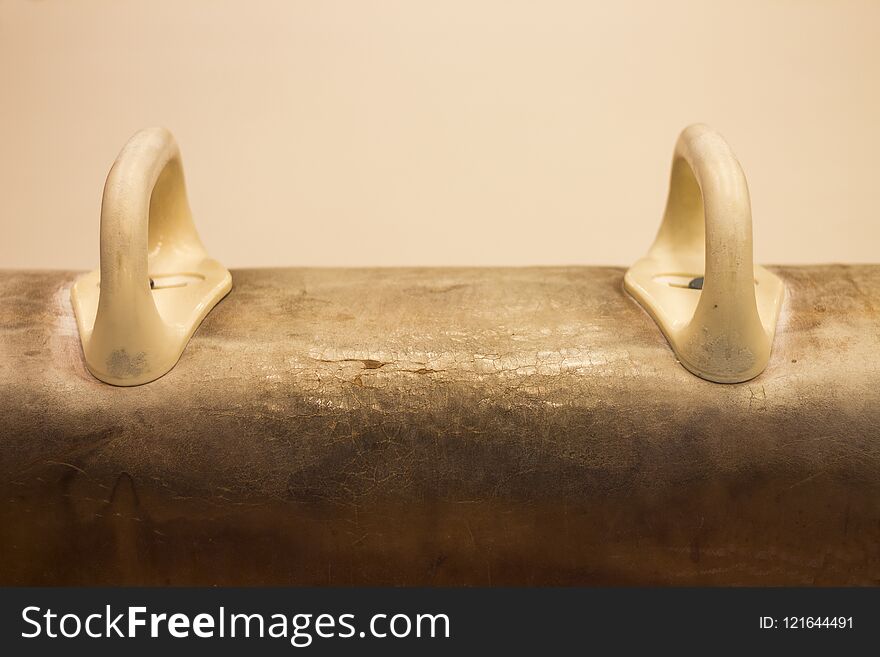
(442, 426)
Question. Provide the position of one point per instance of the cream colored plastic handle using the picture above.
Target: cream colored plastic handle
(132, 333)
(724, 332)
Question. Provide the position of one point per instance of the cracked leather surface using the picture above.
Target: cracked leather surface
(442, 426)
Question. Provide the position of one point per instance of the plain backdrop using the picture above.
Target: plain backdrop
(418, 132)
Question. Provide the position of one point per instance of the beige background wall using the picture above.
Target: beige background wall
(422, 133)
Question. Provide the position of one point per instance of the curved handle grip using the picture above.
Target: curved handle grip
(144, 209)
(720, 334)
(146, 230)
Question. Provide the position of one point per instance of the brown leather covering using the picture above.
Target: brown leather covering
(442, 427)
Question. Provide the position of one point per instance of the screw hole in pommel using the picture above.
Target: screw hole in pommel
(166, 281)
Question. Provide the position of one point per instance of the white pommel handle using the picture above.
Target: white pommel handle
(708, 218)
(146, 231)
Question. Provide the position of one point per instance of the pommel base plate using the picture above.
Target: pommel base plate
(662, 286)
